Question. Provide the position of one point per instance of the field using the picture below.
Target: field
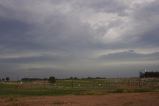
(115, 99)
(81, 92)
(79, 87)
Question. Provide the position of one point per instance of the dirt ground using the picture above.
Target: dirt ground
(118, 99)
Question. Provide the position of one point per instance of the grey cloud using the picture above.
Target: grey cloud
(14, 36)
(47, 26)
(147, 20)
(147, 11)
(130, 56)
(58, 31)
(142, 27)
(150, 38)
(110, 6)
(37, 59)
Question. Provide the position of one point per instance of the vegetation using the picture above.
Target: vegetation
(79, 87)
(51, 79)
(7, 79)
(33, 79)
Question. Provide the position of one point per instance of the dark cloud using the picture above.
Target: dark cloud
(14, 34)
(150, 38)
(71, 34)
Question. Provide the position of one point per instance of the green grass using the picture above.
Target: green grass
(78, 87)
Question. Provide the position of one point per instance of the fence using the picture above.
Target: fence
(109, 83)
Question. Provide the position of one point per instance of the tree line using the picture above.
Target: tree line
(51, 79)
(5, 79)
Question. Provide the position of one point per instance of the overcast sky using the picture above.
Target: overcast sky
(107, 38)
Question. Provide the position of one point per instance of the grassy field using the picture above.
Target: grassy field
(79, 87)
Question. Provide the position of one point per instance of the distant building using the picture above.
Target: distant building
(149, 74)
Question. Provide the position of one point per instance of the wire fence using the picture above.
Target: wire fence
(86, 84)
(109, 83)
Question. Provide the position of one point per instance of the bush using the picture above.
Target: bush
(52, 79)
(7, 79)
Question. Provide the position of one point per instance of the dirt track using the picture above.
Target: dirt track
(123, 99)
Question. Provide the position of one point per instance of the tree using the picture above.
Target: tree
(7, 79)
(3, 79)
(52, 79)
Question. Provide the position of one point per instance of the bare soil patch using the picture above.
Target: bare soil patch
(114, 99)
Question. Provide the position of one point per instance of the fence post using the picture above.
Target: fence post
(72, 83)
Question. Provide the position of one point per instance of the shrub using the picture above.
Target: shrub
(52, 79)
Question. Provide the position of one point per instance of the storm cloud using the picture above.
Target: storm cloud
(78, 37)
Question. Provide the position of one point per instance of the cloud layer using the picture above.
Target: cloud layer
(81, 38)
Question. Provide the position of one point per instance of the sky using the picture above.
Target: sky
(81, 38)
